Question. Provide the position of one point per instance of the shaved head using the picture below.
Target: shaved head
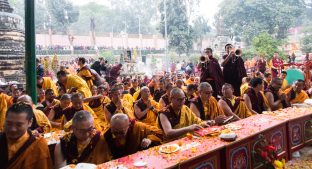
(276, 80)
(25, 99)
(176, 92)
(82, 116)
(119, 125)
(119, 118)
(203, 85)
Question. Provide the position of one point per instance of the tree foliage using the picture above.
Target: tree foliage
(306, 44)
(249, 18)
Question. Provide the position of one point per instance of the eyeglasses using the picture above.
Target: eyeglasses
(180, 99)
(90, 129)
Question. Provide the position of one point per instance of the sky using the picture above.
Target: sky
(208, 8)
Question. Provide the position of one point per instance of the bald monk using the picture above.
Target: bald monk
(146, 109)
(84, 72)
(276, 99)
(40, 122)
(83, 145)
(19, 148)
(77, 105)
(254, 98)
(49, 101)
(164, 100)
(205, 106)
(177, 119)
(73, 83)
(126, 136)
(232, 105)
(46, 83)
(56, 114)
(116, 105)
(296, 94)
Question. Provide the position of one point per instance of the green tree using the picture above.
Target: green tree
(249, 18)
(306, 44)
(179, 31)
(63, 13)
(201, 28)
(265, 45)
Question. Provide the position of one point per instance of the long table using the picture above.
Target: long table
(288, 131)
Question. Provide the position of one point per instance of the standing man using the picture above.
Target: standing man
(233, 69)
(261, 65)
(277, 65)
(211, 72)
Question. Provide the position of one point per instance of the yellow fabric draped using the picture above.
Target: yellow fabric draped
(243, 88)
(284, 85)
(211, 109)
(189, 81)
(128, 101)
(42, 120)
(49, 84)
(3, 109)
(79, 83)
(242, 110)
(300, 97)
(151, 116)
(136, 95)
(85, 73)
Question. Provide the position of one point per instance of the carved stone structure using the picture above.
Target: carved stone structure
(12, 44)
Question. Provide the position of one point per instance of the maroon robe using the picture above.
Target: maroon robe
(233, 72)
(211, 72)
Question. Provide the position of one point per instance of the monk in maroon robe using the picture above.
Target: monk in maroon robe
(277, 65)
(211, 72)
(233, 69)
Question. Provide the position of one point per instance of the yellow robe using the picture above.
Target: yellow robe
(241, 110)
(151, 116)
(243, 88)
(128, 101)
(99, 112)
(85, 73)
(42, 120)
(300, 97)
(186, 118)
(284, 85)
(212, 109)
(79, 83)
(3, 108)
(49, 84)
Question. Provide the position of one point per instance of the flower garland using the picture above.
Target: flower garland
(268, 154)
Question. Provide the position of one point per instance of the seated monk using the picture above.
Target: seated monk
(146, 109)
(177, 119)
(254, 98)
(77, 105)
(56, 114)
(40, 122)
(134, 87)
(15, 95)
(190, 93)
(232, 105)
(276, 99)
(126, 136)
(205, 106)
(19, 148)
(46, 83)
(126, 98)
(296, 94)
(73, 83)
(164, 100)
(84, 72)
(245, 85)
(97, 102)
(116, 105)
(49, 101)
(159, 90)
(83, 145)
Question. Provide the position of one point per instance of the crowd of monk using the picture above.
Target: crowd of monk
(109, 121)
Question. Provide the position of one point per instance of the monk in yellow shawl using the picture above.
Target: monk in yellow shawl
(116, 105)
(146, 109)
(232, 105)
(275, 97)
(4, 99)
(74, 83)
(40, 123)
(245, 85)
(285, 84)
(296, 94)
(177, 119)
(84, 72)
(77, 105)
(19, 148)
(47, 83)
(127, 136)
(56, 114)
(83, 145)
(205, 106)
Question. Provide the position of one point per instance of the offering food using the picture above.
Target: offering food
(168, 149)
(209, 131)
(233, 127)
